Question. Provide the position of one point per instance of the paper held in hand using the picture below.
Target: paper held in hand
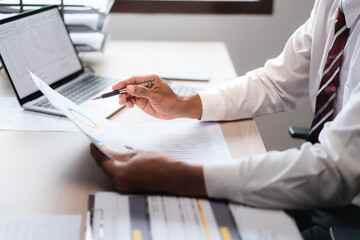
(191, 142)
(100, 131)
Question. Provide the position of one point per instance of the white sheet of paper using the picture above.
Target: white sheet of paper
(183, 74)
(92, 39)
(90, 20)
(14, 117)
(40, 227)
(190, 142)
(102, 132)
(266, 224)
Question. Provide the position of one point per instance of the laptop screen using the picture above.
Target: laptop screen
(38, 43)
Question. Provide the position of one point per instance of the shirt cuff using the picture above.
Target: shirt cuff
(222, 180)
(213, 105)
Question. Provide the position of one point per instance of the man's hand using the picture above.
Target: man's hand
(158, 100)
(150, 172)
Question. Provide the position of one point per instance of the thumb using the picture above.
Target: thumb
(138, 91)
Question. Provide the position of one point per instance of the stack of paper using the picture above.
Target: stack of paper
(89, 41)
(86, 22)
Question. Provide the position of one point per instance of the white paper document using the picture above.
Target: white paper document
(102, 132)
(132, 217)
(40, 227)
(89, 20)
(183, 74)
(14, 117)
(191, 142)
(264, 224)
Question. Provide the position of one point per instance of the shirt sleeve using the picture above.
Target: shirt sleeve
(278, 86)
(322, 175)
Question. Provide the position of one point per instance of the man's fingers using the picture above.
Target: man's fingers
(123, 98)
(124, 83)
(131, 81)
(119, 157)
(133, 89)
(138, 91)
(97, 155)
(129, 103)
(107, 165)
(123, 157)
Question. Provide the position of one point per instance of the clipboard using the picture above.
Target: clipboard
(224, 224)
(95, 229)
(139, 217)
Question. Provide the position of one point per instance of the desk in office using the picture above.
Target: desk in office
(53, 172)
(129, 58)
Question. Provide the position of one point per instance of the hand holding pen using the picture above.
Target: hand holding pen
(121, 91)
(158, 100)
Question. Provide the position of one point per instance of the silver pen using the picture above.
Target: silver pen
(120, 91)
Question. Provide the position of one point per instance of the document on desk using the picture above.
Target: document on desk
(135, 217)
(14, 117)
(264, 223)
(40, 227)
(191, 142)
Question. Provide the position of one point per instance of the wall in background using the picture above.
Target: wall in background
(251, 40)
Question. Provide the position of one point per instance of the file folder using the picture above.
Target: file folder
(139, 217)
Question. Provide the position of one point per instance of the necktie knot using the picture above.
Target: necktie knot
(340, 20)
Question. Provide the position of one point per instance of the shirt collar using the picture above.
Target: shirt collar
(351, 10)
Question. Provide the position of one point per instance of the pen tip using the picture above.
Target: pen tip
(97, 97)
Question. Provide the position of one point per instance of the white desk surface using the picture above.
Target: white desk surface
(53, 172)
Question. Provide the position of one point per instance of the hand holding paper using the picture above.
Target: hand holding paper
(148, 171)
(194, 143)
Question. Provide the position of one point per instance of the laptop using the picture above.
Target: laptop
(38, 41)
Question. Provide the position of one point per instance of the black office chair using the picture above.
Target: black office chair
(339, 233)
(336, 233)
(299, 132)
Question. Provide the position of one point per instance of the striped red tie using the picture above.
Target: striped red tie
(324, 109)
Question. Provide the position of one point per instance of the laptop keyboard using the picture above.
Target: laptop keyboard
(182, 90)
(80, 91)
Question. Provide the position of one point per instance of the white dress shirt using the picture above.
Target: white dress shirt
(320, 175)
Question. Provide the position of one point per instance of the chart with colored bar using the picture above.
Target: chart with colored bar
(139, 217)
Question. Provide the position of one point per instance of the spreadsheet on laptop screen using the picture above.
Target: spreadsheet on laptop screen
(38, 43)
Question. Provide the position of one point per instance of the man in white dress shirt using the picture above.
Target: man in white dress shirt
(320, 175)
